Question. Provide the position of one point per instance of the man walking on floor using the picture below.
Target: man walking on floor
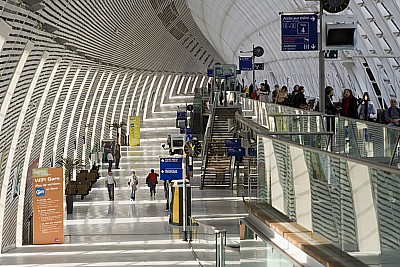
(111, 184)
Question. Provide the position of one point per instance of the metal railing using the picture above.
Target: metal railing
(207, 140)
(351, 201)
(208, 244)
(353, 138)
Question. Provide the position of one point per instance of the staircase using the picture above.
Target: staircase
(216, 168)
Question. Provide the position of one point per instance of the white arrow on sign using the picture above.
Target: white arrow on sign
(313, 46)
(162, 171)
(312, 18)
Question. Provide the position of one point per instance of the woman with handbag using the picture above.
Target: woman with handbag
(133, 183)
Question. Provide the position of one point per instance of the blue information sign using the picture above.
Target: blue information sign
(245, 63)
(299, 32)
(181, 115)
(170, 168)
(210, 72)
(230, 143)
(188, 131)
(236, 152)
(252, 152)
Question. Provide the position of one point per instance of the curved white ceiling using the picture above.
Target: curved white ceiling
(234, 25)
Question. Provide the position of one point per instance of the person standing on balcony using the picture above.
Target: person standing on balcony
(349, 105)
(392, 115)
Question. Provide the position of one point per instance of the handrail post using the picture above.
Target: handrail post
(220, 240)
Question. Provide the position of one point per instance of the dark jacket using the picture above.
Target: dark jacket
(329, 108)
(352, 111)
(299, 99)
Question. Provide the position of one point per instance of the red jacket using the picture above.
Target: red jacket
(152, 177)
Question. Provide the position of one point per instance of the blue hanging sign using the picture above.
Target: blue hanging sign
(188, 131)
(236, 152)
(245, 63)
(171, 168)
(233, 143)
(252, 152)
(299, 32)
(210, 72)
(181, 115)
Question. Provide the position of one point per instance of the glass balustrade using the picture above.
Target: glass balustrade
(358, 139)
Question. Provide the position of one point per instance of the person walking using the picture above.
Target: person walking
(110, 159)
(151, 181)
(111, 184)
(133, 183)
(117, 155)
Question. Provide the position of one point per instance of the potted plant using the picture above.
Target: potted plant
(69, 165)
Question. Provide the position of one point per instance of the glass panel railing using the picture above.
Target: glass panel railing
(257, 252)
(352, 203)
(204, 244)
(353, 138)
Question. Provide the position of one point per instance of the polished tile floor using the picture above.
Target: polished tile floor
(134, 233)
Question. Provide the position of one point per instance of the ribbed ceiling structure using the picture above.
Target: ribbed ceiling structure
(234, 25)
(70, 68)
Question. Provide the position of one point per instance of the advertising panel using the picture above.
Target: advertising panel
(48, 210)
(134, 131)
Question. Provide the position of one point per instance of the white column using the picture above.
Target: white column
(14, 143)
(194, 84)
(14, 81)
(104, 126)
(180, 85)
(89, 89)
(116, 102)
(51, 114)
(128, 89)
(187, 85)
(171, 89)
(165, 90)
(21, 199)
(5, 29)
(133, 99)
(365, 212)
(149, 95)
(96, 115)
(141, 96)
(89, 115)
(61, 118)
(72, 117)
(156, 95)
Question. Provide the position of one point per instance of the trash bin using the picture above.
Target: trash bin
(176, 202)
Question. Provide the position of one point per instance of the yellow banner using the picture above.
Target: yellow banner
(134, 131)
(48, 206)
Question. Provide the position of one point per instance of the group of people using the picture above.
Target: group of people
(133, 184)
(350, 106)
(114, 157)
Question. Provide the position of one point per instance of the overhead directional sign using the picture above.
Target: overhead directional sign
(236, 152)
(299, 32)
(233, 143)
(245, 63)
(170, 168)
